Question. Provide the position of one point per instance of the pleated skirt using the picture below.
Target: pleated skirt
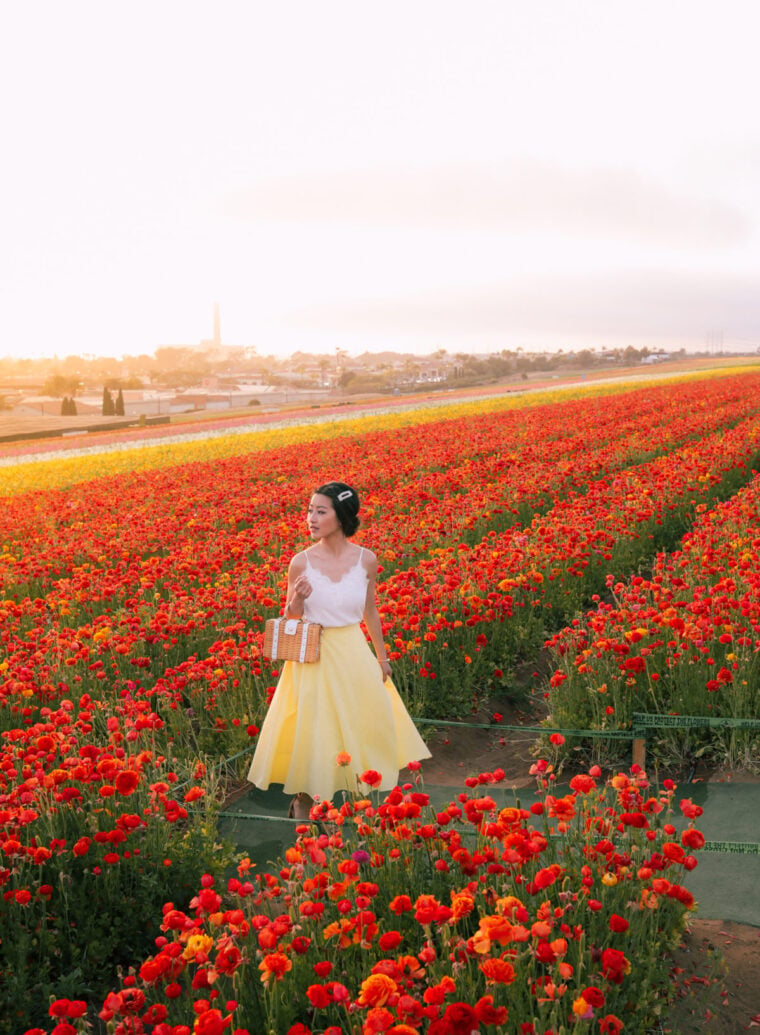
(337, 704)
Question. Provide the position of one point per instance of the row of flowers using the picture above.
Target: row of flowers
(96, 831)
(163, 448)
(684, 641)
(462, 611)
(387, 916)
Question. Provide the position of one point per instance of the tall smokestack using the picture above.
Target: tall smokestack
(217, 326)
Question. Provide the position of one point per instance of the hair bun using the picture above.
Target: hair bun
(345, 501)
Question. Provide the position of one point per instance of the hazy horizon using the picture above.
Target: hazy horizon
(406, 178)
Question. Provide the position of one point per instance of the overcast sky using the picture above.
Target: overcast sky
(407, 175)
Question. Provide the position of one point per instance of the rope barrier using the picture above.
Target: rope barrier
(496, 726)
(652, 720)
(732, 847)
(642, 723)
(260, 816)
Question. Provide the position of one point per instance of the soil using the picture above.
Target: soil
(716, 972)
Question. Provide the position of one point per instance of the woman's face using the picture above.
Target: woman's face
(321, 518)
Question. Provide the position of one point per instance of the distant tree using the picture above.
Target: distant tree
(584, 358)
(65, 406)
(72, 407)
(59, 384)
(119, 404)
(108, 406)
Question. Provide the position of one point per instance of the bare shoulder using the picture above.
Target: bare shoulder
(369, 561)
(297, 563)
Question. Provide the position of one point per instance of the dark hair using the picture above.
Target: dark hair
(345, 501)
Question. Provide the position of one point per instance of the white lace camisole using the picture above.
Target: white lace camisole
(338, 603)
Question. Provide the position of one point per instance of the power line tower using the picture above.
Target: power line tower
(217, 326)
(714, 342)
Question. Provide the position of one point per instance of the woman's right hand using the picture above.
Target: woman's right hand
(302, 587)
(299, 591)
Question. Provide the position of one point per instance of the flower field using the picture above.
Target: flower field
(682, 641)
(619, 526)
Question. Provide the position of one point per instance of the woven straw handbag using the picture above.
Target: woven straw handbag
(291, 639)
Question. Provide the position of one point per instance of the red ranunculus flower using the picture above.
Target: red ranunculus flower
(692, 839)
(487, 1013)
(126, 782)
(610, 1025)
(211, 1022)
(461, 1019)
(319, 996)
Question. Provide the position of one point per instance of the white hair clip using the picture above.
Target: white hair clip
(345, 495)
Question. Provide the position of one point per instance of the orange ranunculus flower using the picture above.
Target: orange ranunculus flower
(197, 943)
(274, 964)
(582, 1009)
(409, 967)
(540, 929)
(507, 906)
(462, 904)
(346, 931)
(480, 943)
(497, 972)
(561, 808)
(343, 758)
(376, 990)
(648, 899)
(510, 817)
(498, 928)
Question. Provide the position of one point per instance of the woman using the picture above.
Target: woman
(345, 702)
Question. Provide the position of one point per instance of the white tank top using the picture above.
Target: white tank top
(338, 603)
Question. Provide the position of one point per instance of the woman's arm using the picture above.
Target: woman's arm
(299, 587)
(372, 616)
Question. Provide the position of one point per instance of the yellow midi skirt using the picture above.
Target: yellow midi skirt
(338, 703)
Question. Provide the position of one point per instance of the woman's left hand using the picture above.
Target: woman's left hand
(385, 668)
